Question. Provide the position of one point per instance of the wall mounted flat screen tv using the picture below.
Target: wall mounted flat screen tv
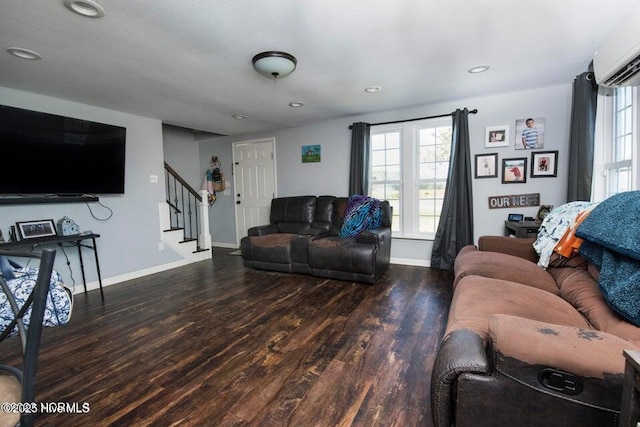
(44, 153)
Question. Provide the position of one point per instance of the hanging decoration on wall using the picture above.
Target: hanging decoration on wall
(213, 180)
(514, 201)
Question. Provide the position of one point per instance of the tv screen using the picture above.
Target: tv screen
(44, 153)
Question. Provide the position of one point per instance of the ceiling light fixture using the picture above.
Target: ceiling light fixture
(24, 53)
(88, 8)
(274, 64)
(478, 69)
(239, 116)
(295, 104)
(373, 89)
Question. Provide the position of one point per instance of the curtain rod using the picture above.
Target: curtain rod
(474, 111)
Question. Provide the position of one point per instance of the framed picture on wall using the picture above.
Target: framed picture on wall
(544, 164)
(529, 133)
(496, 136)
(311, 153)
(486, 165)
(514, 171)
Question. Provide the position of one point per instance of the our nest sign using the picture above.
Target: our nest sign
(514, 201)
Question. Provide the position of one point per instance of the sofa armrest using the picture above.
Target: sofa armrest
(462, 351)
(263, 230)
(374, 236)
(521, 247)
(587, 353)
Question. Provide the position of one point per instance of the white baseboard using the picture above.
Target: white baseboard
(224, 245)
(79, 287)
(408, 261)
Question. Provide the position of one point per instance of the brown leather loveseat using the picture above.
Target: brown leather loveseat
(528, 346)
(303, 237)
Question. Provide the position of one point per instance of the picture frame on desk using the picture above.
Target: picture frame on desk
(36, 229)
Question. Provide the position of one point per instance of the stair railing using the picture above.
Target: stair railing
(184, 204)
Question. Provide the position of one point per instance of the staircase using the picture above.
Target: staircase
(184, 218)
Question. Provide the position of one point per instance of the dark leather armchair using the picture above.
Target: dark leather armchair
(271, 246)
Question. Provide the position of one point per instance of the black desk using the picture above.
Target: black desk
(75, 240)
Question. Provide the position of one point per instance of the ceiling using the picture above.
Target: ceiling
(188, 62)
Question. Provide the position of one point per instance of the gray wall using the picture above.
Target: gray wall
(331, 175)
(222, 213)
(181, 152)
(129, 239)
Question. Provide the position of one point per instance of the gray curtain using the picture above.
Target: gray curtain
(455, 229)
(360, 152)
(581, 137)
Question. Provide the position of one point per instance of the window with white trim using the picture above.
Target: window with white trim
(409, 167)
(616, 158)
(619, 166)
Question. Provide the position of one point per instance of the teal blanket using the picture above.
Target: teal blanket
(611, 236)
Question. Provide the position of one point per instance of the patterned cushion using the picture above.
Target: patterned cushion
(362, 213)
(58, 306)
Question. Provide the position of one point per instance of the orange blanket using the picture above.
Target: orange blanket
(569, 243)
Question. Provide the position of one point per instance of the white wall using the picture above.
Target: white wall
(129, 239)
(331, 176)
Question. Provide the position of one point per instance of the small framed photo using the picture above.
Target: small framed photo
(514, 171)
(529, 133)
(496, 136)
(544, 164)
(34, 229)
(487, 165)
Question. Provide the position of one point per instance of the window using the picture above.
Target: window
(385, 171)
(409, 167)
(620, 152)
(616, 159)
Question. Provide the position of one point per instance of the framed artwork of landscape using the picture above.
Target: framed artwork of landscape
(311, 153)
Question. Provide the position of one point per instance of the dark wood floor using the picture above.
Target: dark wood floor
(214, 343)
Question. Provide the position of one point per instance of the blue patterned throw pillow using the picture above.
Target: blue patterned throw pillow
(362, 213)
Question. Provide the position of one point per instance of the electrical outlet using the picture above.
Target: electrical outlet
(153, 179)
(161, 246)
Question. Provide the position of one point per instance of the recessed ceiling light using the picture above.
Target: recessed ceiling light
(373, 89)
(239, 116)
(478, 69)
(88, 8)
(24, 53)
(295, 104)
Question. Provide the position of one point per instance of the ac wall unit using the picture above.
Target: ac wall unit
(617, 62)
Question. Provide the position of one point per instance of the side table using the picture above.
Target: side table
(630, 411)
(522, 228)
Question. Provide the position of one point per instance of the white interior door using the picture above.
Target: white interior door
(254, 183)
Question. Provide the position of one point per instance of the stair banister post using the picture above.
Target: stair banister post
(203, 206)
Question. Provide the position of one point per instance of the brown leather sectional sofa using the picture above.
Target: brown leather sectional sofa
(528, 346)
(302, 237)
